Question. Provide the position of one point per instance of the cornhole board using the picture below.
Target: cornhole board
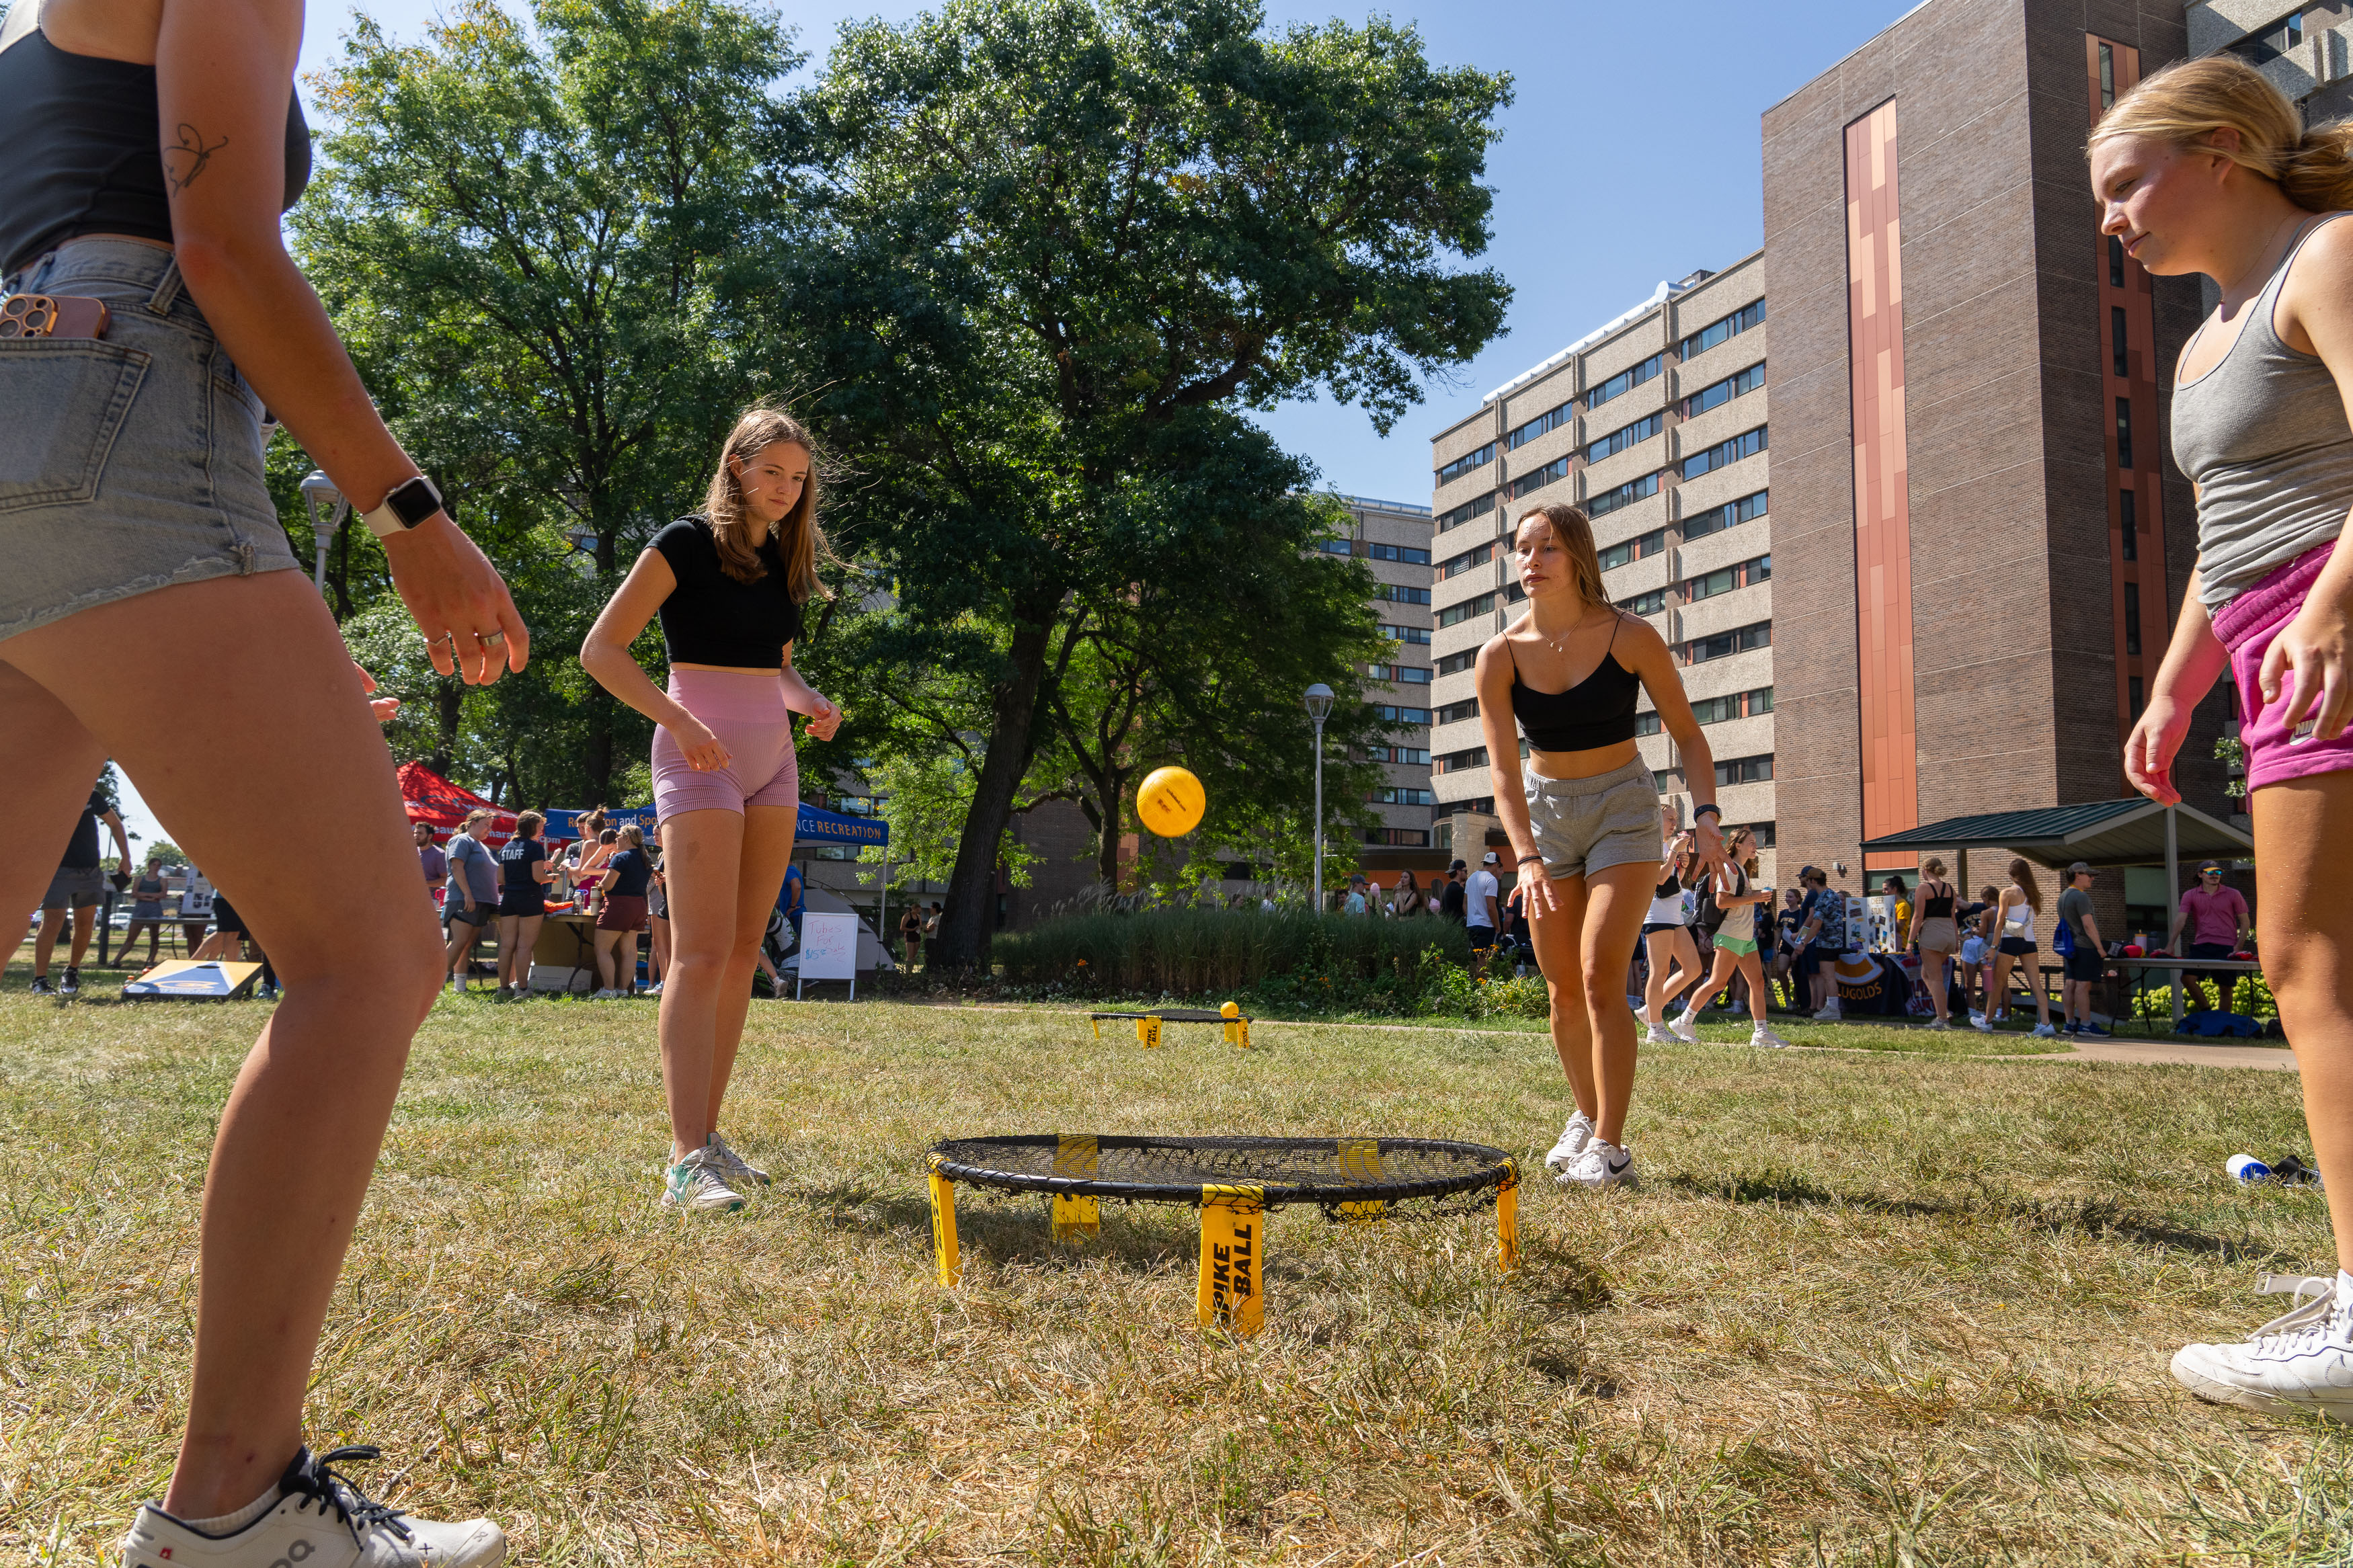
(188, 980)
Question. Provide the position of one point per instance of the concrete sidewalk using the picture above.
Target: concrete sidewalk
(2171, 1053)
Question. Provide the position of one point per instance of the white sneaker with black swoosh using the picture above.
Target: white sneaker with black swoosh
(1603, 1164)
(320, 1521)
(2301, 1359)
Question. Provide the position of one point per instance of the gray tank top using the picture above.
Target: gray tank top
(2264, 437)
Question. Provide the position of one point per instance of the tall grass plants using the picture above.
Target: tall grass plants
(1290, 957)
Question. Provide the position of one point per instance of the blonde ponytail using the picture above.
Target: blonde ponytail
(2188, 102)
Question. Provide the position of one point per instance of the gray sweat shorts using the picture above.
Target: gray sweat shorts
(1584, 825)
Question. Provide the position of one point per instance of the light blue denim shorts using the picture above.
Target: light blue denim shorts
(1584, 825)
(130, 462)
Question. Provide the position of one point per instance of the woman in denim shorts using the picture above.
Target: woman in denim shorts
(136, 527)
(1584, 822)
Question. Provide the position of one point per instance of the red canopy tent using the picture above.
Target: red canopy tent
(433, 799)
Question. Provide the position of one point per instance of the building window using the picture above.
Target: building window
(1404, 555)
(1724, 645)
(1716, 518)
(1763, 833)
(1455, 712)
(1455, 615)
(1402, 674)
(1405, 756)
(1454, 762)
(1725, 579)
(1626, 494)
(1398, 594)
(1647, 722)
(1651, 603)
(1636, 549)
(1456, 663)
(2134, 694)
(2123, 433)
(1735, 705)
(2116, 343)
(2130, 504)
(1552, 473)
(1467, 560)
(2107, 76)
(2132, 618)
(2261, 48)
(1747, 444)
(1744, 770)
(1725, 390)
(1468, 461)
(1401, 715)
(1467, 512)
(1619, 440)
(1400, 794)
(1624, 382)
(2115, 261)
(1406, 634)
(1405, 838)
(1551, 419)
(1724, 330)
(1337, 547)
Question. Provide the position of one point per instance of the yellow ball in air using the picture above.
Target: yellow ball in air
(1171, 802)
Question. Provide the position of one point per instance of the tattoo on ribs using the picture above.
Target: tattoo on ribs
(184, 162)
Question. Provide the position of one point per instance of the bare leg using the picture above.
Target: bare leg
(1615, 902)
(628, 983)
(660, 965)
(2308, 947)
(44, 941)
(1556, 937)
(85, 925)
(300, 1136)
(1673, 946)
(458, 956)
(1933, 970)
(768, 852)
(1751, 970)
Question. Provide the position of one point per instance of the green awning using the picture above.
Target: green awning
(2129, 832)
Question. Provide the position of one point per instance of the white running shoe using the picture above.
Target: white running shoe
(699, 1182)
(321, 1522)
(1681, 1026)
(2045, 1032)
(1830, 1012)
(1980, 1023)
(606, 997)
(1573, 1140)
(738, 1168)
(2301, 1359)
(1940, 1023)
(1603, 1164)
(1762, 1036)
(1657, 1034)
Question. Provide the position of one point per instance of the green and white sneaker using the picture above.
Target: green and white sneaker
(738, 1168)
(322, 1521)
(699, 1184)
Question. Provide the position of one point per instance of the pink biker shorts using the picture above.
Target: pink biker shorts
(2246, 625)
(746, 710)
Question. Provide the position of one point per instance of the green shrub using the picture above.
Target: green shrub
(1294, 957)
(1519, 999)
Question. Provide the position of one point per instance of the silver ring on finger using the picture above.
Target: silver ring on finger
(487, 639)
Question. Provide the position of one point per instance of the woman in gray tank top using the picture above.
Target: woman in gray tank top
(2207, 168)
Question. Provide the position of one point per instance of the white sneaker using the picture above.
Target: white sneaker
(1940, 1023)
(1657, 1034)
(1573, 1140)
(699, 1182)
(1762, 1036)
(1980, 1023)
(1681, 1027)
(321, 1522)
(2045, 1032)
(606, 997)
(738, 1168)
(1602, 1164)
(1830, 1012)
(2301, 1359)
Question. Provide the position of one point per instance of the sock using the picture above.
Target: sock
(230, 1523)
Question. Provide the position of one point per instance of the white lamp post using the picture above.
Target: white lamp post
(1319, 705)
(327, 508)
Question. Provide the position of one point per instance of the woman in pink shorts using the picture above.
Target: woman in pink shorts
(729, 584)
(2206, 168)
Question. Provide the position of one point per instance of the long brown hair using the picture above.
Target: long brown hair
(2188, 102)
(798, 537)
(1575, 531)
(2023, 875)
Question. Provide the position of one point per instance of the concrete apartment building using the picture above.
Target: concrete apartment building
(1655, 424)
(1393, 539)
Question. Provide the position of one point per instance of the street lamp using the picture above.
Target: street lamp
(1319, 706)
(327, 508)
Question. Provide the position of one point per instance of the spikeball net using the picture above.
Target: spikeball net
(1233, 1182)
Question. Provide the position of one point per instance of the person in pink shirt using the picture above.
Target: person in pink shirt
(2218, 922)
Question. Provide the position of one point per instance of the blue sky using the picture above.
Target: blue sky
(1630, 156)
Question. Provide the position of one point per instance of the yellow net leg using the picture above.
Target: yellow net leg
(943, 1232)
(1147, 1032)
(1238, 1033)
(1075, 1218)
(1097, 1024)
(1233, 1255)
(1360, 1160)
(1508, 1221)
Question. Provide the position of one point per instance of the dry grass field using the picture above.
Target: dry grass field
(1870, 1308)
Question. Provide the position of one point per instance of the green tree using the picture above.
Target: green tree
(550, 259)
(1060, 244)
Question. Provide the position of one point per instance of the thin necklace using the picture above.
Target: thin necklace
(2261, 256)
(1553, 642)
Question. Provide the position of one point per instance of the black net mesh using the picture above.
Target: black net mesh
(1175, 1016)
(1174, 1169)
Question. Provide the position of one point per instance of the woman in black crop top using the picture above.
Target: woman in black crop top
(152, 610)
(1583, 811)
(728, 585)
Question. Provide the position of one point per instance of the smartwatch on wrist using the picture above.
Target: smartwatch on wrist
(408, 505)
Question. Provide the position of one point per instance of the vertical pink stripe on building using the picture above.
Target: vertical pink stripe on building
(1882, 530)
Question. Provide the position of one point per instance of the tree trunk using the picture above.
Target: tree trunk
(599, 758)
(1112, 789)
(971, 913)
(451, 699)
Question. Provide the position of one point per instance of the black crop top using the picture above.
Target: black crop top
(1936, 908)
(85, 153)
(1596, 712)
(710, 617)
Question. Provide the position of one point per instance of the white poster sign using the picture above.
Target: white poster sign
(829, 950)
